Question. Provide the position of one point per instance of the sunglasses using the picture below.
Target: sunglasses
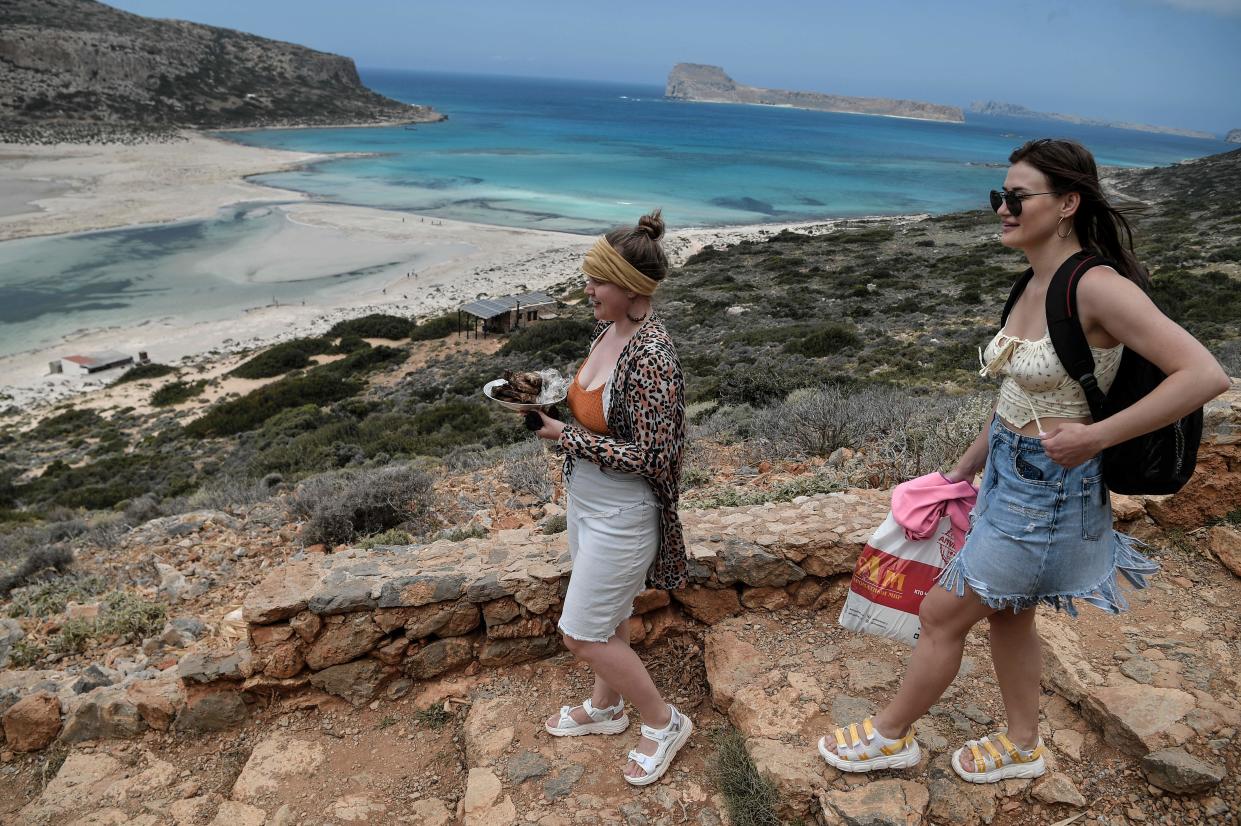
(1012, 199)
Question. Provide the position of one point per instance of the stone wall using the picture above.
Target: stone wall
(354, 622)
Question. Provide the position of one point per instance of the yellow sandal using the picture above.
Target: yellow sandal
(853, 753)
(992, 765)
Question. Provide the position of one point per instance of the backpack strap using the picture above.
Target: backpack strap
(1064, 325)
(1019, 287)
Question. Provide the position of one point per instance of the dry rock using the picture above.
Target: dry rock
(33, 722)
(232, 813)
(274, 762)
(709, 605)
(879, 803)
(1136, 718)
(482, 805)
(358, 681)
(439, 656)
(345, 637)
(1058, 788)
(1179, 772)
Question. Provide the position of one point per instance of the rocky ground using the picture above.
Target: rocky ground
(1139, 711)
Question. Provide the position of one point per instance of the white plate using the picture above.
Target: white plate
(518, 406)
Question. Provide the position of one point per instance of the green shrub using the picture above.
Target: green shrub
(71, 422)
(74, 637)
(145, 371)
(128, 615)
(825, 340)
(175, 392)
(375, 325)
(350, 344)
(281, 358)
(25, 653)
(437, 327)
(110, 480)
(46, 599)
(253, 409)
(560, 338)
(392, 537)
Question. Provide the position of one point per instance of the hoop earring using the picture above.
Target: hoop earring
(1061, 221)
(636, 320)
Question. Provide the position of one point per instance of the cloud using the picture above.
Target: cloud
(1227, 8)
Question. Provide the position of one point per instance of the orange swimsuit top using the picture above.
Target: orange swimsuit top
(587, 405)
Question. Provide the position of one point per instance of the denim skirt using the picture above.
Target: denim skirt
(1041, 532)
(613, 527)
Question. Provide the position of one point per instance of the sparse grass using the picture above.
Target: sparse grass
(750, 797)
(130, 616)
(46, 599)
(53, 759)
(435, 717)
(807, 485)
(145, 371)
(460, 534)
(387, 722)
(74, 637)
(555, 524)
(25, 653)
(392, 537)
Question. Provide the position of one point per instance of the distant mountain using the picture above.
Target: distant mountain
(710, 84)
(994, 107)
(1234, 136)
(70, 64)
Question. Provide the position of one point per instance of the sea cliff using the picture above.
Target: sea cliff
(80, 70)
(1012, 110)
(710, 84)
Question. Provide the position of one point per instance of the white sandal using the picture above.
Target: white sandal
(669, 740)
(854, 753)
(603, 721)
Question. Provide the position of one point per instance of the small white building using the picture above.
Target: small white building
(94, 362)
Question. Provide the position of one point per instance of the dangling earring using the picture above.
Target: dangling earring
(1061, 221)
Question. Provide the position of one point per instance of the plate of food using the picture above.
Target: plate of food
(528, 390)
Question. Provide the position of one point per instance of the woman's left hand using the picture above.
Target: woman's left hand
(1070, 444)
(551, 429)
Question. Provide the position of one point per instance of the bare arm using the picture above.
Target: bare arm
(1114, 304)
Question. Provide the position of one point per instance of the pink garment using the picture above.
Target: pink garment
(919, 504)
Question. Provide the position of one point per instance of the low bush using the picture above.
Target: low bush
(750, 797)
(437, 327)
(341, 506)
(281, 358)
(256, 407)
(825, 340)
(73, 422)
(559, 338)
(175, 392)
(375, 325)
(145, 371)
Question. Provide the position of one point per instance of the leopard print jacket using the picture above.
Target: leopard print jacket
(646, 417)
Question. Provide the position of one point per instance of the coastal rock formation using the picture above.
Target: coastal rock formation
(710, 84)
(76, 65)
(1233, 136)
(1012, 110)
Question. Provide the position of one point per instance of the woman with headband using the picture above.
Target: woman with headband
(622, 463)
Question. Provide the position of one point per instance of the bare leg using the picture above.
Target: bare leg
(1015, 651)
(602, 695)
(620, 669)
(946, 620)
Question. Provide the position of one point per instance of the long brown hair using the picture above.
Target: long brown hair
(639, 245)
(1100, 227)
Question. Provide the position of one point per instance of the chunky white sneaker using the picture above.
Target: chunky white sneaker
(669, 741)
(603, 721)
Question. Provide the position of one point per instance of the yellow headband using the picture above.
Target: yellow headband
(604, 263)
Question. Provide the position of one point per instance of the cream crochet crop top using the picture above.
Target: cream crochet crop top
(1035, 382)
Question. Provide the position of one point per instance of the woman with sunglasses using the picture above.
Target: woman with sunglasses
(1042, 529)
(622, 463)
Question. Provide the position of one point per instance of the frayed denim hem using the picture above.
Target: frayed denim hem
(1128, 561)
(580, 638)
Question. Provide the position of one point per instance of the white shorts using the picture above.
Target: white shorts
(613, 526)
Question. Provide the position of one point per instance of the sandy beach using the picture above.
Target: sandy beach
(73, 188)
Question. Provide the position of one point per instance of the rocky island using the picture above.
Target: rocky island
(710, 84)
(1012, 110)
(1234, 136)
(81, 70)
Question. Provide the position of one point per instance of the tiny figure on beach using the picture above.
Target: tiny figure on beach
(622, 463)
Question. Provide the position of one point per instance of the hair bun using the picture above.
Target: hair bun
(651, 225)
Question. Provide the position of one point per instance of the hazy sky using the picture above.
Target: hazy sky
(1168, 62)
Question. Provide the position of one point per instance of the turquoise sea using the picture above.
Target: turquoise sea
(547, 154)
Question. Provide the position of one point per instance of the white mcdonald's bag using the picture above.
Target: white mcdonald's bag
(892, 575)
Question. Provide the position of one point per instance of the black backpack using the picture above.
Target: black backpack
(1157, 462)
